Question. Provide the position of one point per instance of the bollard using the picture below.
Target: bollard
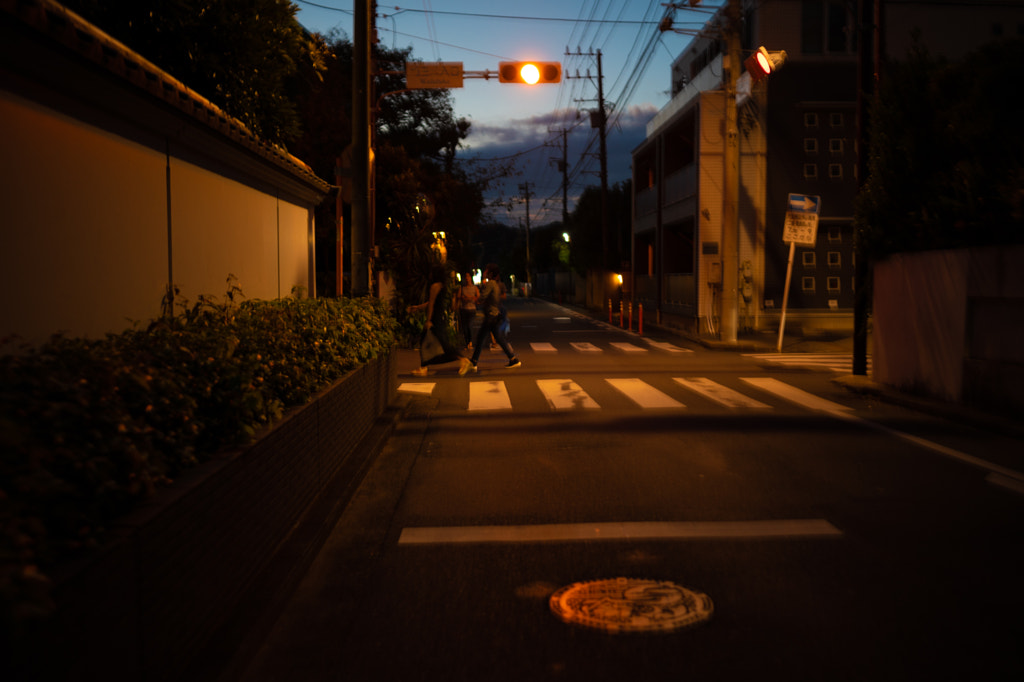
(640, 321)
(630, 316)
(609, 311)
(621, 323)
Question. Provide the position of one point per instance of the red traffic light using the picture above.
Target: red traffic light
(763, 63)
(529, 73)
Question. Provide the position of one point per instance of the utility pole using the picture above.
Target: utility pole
(360, 228)
(599, 120)
(565, 179)
(731, 182)
(525, 189)
(603, 134)
(867, 67)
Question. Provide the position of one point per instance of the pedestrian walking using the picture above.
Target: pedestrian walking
(466, 299)
(494, 315)
(435, 346)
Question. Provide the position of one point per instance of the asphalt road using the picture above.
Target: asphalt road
(837, 536)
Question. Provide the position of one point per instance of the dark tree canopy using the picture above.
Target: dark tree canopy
(946, 154)
(249, 57)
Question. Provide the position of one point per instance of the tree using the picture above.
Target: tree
(249, 57)
(587, 251)
(946, 166)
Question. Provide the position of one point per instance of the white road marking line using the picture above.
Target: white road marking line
(585, 347)
(795, 395)
(422, 388)
(488, 395)
(566, 532)
(565, 394)
(661, 345)
(723, 395)
(543, 347)
(643, 394)
(629, 348)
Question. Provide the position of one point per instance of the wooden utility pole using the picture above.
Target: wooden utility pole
(731, 182)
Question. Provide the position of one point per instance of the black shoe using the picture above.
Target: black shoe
(514, 362)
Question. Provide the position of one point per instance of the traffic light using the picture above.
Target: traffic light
(529, 73)
(763, 63)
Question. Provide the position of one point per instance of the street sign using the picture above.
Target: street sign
(801, 228)
(804, 203)
(801, 225)
(430, 75)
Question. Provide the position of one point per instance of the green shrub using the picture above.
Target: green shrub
(90, 428)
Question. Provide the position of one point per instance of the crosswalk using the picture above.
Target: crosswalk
(614, 346)
(836, 362)
(671, 394)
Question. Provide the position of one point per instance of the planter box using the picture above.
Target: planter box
(187, 577)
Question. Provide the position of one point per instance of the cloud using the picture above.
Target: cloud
(535, 143)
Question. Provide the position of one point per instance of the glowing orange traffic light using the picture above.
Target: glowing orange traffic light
(529, 73)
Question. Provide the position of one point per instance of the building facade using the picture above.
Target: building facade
(798, 134)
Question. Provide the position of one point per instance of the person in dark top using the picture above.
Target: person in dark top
(494, 315)
(437, 325)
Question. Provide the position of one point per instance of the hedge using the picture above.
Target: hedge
(89, 429)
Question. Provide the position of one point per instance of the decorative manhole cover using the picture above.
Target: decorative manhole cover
(631, 605)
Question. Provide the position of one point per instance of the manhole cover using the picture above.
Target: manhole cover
(631, 605)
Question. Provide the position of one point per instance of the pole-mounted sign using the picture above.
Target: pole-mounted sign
(802, 220)
(801, 228)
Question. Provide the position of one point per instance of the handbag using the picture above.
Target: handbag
(430, 347)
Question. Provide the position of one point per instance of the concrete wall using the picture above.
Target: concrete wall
(950, 324)
(89, 243)
(119, 180)
(187, 579)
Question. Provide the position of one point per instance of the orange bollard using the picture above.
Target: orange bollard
(609, 311)
(630, 316)
(621, 324)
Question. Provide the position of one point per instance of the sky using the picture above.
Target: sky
(525, 123)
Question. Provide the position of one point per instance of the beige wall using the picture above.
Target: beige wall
(84, 226)
(950, 324)
(85, 229)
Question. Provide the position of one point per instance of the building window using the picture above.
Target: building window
(810, 170)
(811, 145)
(835, 145)
(835, 259)
(810, 120)
(835, 235)
(833, 285)
(807, 285)
(835, 170)
(808, 259)
(835, 119)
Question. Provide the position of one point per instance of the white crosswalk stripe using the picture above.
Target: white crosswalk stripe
(837, 362)
(630, 348)
(643, 394)
(668, 347)
(566, 394)
(585, 347)
(543, 347)
(723, 395)
(489, 395)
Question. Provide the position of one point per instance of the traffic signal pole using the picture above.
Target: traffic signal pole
(361, 224)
